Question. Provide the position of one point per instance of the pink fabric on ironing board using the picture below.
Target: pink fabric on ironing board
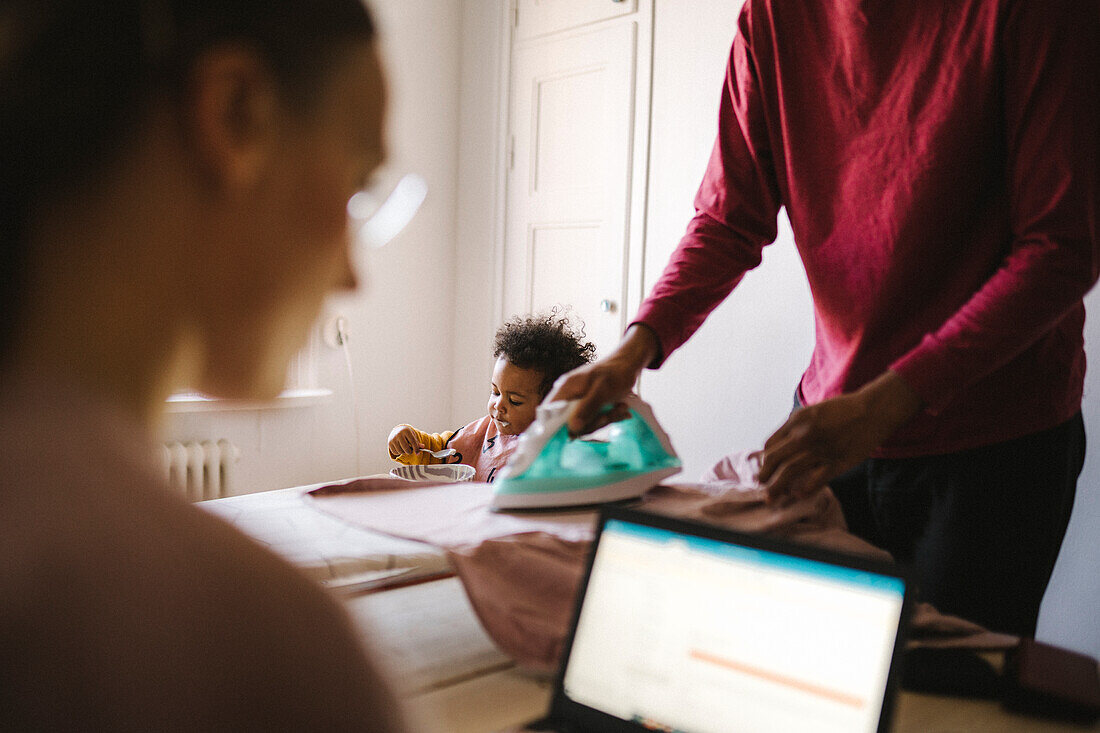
(927, 626)
(446, 515)
(454, 516)
(521, 571)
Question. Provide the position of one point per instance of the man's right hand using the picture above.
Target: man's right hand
(606, 381)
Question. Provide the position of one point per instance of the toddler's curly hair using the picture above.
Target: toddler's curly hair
(548, 343)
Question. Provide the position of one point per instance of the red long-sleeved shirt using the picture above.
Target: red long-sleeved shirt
(938, 163)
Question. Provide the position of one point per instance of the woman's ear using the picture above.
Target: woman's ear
(234, 116)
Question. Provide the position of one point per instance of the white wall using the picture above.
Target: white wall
(401, 321)
(1070, 614)
(476, 308)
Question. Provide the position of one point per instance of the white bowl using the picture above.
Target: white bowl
(446, 472)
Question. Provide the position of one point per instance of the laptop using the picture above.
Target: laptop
(683, 626)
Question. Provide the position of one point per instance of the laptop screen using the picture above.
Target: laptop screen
(682, 632)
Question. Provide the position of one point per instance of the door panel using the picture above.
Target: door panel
(566, 159)
(559, 249)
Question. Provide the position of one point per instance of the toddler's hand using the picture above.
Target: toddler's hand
(403, 441)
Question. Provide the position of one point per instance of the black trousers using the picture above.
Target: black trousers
(981, 528)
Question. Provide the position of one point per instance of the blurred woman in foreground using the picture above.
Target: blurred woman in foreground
(175, 178)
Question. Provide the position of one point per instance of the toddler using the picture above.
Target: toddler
(531, 353)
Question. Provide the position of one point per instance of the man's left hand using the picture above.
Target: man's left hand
(822, 441)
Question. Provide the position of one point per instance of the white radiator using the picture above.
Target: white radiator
(201, 470)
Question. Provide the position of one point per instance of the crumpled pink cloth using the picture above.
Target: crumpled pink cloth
(521, 572)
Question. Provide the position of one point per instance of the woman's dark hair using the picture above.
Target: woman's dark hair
(546, 343)
(77, 77)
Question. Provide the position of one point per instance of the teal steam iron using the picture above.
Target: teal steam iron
(551, 469)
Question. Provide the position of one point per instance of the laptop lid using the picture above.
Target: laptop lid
(682, 626)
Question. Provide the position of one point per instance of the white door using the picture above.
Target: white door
(569, 179)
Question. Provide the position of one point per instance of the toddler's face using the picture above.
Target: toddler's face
(514, 397)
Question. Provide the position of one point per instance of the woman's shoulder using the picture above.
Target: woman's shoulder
(147, 597)
(166, 602)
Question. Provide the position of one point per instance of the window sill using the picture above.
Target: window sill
(195, 402)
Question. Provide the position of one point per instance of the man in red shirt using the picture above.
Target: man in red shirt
(938, 163)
